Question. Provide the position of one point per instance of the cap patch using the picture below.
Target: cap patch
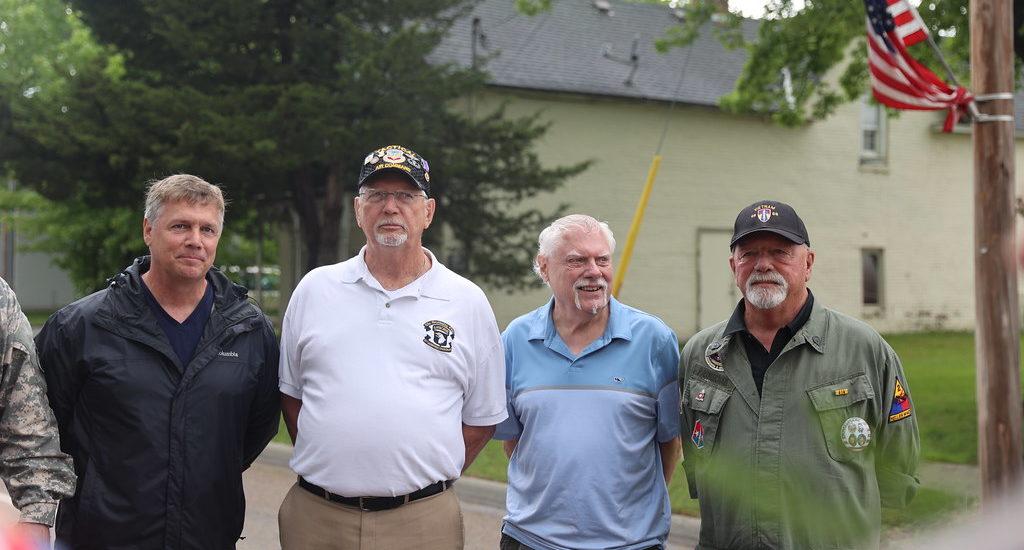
(765, 213)
(394, 155)
(900, 403)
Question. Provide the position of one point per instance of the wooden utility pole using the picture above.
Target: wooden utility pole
(997, 339)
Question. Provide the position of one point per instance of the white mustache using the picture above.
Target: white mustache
(766, 277)
(591, 282)
(390, 222)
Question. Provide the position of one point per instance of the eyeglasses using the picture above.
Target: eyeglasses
(374, 196)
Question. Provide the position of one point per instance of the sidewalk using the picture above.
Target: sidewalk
(962, 479)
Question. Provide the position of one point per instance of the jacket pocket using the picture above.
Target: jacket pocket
(707, 402)
(844, 409)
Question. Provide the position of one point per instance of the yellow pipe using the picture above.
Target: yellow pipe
(638, 217)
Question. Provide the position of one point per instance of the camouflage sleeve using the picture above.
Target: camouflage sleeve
(36, 472)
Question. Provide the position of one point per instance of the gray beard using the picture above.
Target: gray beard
(391, 239)
(767, 298)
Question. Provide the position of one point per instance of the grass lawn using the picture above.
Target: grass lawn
(940, 369)
(282, 433)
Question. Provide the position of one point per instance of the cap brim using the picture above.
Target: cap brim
(781, 232)
(371, 175)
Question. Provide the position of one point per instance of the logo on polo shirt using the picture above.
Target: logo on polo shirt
(439, 335)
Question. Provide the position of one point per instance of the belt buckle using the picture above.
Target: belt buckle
(375, 504)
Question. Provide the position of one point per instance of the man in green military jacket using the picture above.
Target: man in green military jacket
(798, 423)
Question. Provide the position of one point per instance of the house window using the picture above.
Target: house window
(872, 131)
(871, 269)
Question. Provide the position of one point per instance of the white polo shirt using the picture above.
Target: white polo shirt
(387, 378)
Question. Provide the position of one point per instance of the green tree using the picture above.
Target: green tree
(279, 100)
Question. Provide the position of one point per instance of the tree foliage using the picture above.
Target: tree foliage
(279, 101)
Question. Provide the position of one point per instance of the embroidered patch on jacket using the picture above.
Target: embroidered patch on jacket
(698, 435)
(440, 335)
(713, 358)
(900, 403)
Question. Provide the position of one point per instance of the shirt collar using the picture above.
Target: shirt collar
(618, 324)
(426, 285)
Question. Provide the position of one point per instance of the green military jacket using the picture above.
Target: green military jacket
(808, 463)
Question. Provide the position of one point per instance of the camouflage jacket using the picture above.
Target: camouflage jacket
(36, 472)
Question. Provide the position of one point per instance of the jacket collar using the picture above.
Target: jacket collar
(126, 303)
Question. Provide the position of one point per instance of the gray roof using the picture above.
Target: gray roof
(564, 51)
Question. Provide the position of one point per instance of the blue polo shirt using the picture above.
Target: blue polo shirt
(587, 472)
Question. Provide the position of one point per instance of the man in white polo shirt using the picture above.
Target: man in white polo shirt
(392, 377)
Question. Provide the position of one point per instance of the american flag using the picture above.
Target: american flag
(897, 79)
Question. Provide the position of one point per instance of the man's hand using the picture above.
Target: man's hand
(35, 533)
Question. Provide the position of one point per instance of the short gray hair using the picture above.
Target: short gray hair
(553, 235)
(182, 187)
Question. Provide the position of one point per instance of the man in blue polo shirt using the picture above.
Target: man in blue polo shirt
(593, 397)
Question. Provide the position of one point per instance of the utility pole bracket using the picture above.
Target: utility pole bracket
(990, 97)
(981, 117)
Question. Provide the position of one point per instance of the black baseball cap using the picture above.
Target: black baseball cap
(774, 216)
(398, 159)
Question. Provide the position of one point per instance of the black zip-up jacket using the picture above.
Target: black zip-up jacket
(159, 447)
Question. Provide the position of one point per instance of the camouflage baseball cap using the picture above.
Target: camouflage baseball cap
(398, 159)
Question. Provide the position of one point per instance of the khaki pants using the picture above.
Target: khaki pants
(309, 522)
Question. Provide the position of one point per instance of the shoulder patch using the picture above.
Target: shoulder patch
(900, 403)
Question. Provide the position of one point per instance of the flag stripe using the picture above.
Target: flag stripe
(909, 24)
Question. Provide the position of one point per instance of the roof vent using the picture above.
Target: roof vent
(604, 6)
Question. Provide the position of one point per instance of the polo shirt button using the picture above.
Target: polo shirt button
(387, 304)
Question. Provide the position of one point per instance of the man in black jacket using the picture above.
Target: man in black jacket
(164, 386)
